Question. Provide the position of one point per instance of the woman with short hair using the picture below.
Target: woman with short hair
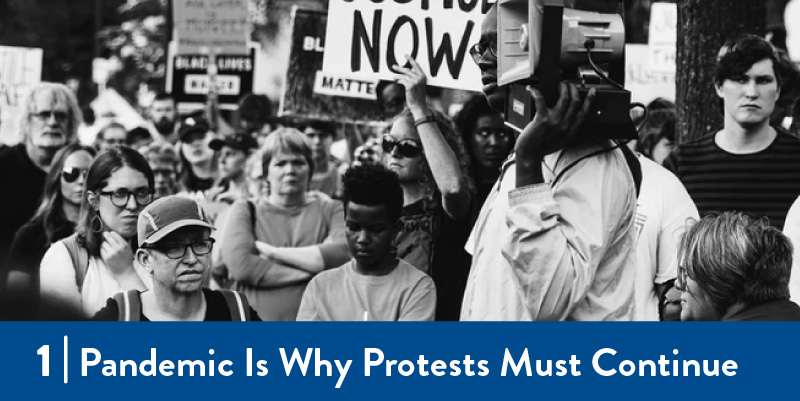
(273, 246)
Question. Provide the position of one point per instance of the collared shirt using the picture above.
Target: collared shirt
(556, 251)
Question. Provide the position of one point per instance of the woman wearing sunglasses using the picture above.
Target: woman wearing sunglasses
(55, 219)
(85, 269)
(428, 155)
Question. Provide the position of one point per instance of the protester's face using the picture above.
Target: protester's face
(321, 142)
(196, 150)
(184, 275)
(750, 98)
(112, 137)
(287, 174)
(49, 121)
(369, 232)
(491, 141)
(393, 97)
(77, 162)
(231, 162)
(661, 150)
(121, 220)
(408, 169)
(162, 113)
(488, 62)
(165, 179)
(695, 302)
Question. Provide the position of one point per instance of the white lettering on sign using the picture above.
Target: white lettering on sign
(311, 43)
(211, 24)
(337, 85)
(227, 85)
(224, 63)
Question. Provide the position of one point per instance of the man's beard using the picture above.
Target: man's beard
(165, 127)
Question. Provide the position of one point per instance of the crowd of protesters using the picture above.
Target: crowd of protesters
(436, 217)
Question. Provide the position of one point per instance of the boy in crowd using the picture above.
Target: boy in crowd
(375, 284)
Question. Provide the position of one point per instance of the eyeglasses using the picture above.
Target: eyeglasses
(61, 116)
(503, 133)
(479, 49)
(71, 174)
(177, 250)
(120, 197)
(405, 148)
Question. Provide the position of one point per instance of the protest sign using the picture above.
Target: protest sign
(216, 25)
(369, 37)
(644, 83)
(188, 79)
(20, 67)
(311, 93)
(662, 37)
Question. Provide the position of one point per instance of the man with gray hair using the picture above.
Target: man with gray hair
(49, 121)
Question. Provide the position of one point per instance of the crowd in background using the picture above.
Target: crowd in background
(430, 216)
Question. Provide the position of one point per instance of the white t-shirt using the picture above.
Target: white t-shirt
(791, 228)
(663, 209)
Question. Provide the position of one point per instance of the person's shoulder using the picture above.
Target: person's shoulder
(13, 155)
(109, 313)
(785, 139)
(701, 143)
(331, 275)
(412, 272)
(654, 171)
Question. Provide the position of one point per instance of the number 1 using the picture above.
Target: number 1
(44, 351)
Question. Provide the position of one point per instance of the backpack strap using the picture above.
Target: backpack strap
(129, 305)
(634, 166)
(79, 256)
(252, 207)
(238, 305)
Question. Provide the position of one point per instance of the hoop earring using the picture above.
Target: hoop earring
(96, 221)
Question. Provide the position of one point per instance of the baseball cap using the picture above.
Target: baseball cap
(168, 214)
(239, 140)
(193, 125)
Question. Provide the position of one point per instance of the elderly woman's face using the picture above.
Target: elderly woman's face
(287, 174)
(695, 302)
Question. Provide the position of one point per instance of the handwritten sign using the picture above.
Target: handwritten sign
(644, 83)
(211, 25)
(20, 68)
(310, 92)
(663, 36)
(369, 37)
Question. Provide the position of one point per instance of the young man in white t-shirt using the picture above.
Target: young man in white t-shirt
(374, 284)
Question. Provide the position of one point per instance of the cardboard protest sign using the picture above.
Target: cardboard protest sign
(20, 67)
(212, 25)
(368, 37)
(663, 37)
(645, 83)
(311, 93)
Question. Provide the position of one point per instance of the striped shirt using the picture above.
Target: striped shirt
(762, 184)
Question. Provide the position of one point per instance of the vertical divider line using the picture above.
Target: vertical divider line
(66, 355)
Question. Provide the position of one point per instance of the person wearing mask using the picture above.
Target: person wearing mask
(82, 271)
(427, 154)
(273, 246)
(49, 121)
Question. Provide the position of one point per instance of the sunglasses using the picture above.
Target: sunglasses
(71, 174)
(405, 148)
(45, 115)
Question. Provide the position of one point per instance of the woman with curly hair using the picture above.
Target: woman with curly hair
(428, 156)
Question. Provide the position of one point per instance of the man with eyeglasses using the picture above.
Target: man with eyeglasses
(50, 121)
(555, 238)
(175, 247)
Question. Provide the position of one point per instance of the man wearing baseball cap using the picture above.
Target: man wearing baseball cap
(175, 248)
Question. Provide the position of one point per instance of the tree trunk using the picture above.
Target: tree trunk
(704, 26)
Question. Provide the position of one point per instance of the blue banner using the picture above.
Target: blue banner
(98, 360)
